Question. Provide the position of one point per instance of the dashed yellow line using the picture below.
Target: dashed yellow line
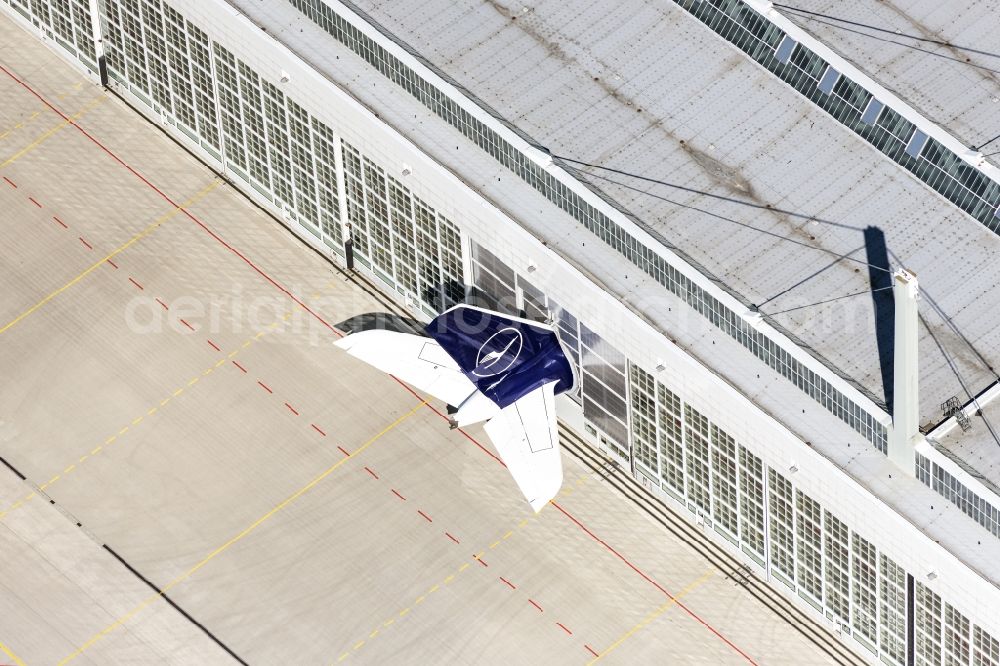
(248, 530)
(657, 612)
(434, 588)
(44, 136)
(7, 651)
(121, 248)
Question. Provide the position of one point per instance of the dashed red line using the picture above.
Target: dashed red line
(184, 321)
(481, 561)
(215, 347)
(89, 246)
(32, 200)
(508, 583)
(369, 470)
(344, 451)
(591, 650)
(452, 538)
(164, 305)
(281, 288)
(236, 364)
(535, 604)
(132, 280)
(264, 386)
(114, 265)
(396, 493)
(10, 182)
(317, 429)
(290, 408)
(563, 627)
(652, 582)
(425, 516)
(64, 225)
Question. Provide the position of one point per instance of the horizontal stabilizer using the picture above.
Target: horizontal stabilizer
(418, 361)
(524, 434)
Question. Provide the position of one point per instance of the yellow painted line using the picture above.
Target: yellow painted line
(164, 401)
(123, 431)
(449, 579)
(94, 452)
(137, 420)
(653, 615)
(110, 439)
(373, 634)
(7, 651)
(178, 392)
(247, 343)
(82, 459)
(239, 537)
(508, 535)
(232, 354)
(344, 656)
(494, 545)
(208, 372)
(221, 361)
(389, 622)
(44, 136)
(53, 480)
(434, 589)
(404, 612)
(69, 469)
(152, 410)
(358, 645)
(419, 600)
(121, 248)
(193, 381)
(463, 567)
(523, 523)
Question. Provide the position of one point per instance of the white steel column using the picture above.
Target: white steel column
(905, 404)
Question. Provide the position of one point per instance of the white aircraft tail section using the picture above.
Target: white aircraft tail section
(524, 434)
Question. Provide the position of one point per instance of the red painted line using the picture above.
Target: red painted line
(342, 450)
(113, 264)
(591, 650)
(396, 493)
(533, 603)
(182, 320)
(10, 182)
(64, 225)
(509, 584)
(563, 627)
(264, 386)
(281, 288)
(32, 200)
(316, 428)
(89, 246)
(239, 366)
(639, 571)
(481, 561)
(452, 538)
(166, 198)
(290, 408)
(215, 347)
(426, 517)
(132, 280)
(162, 303)
(369, 470)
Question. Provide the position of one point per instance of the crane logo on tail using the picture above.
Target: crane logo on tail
(500, 351)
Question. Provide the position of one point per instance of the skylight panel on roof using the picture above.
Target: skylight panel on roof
(829, 80)
(916, 144)
(872, 111)
(784, 52)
